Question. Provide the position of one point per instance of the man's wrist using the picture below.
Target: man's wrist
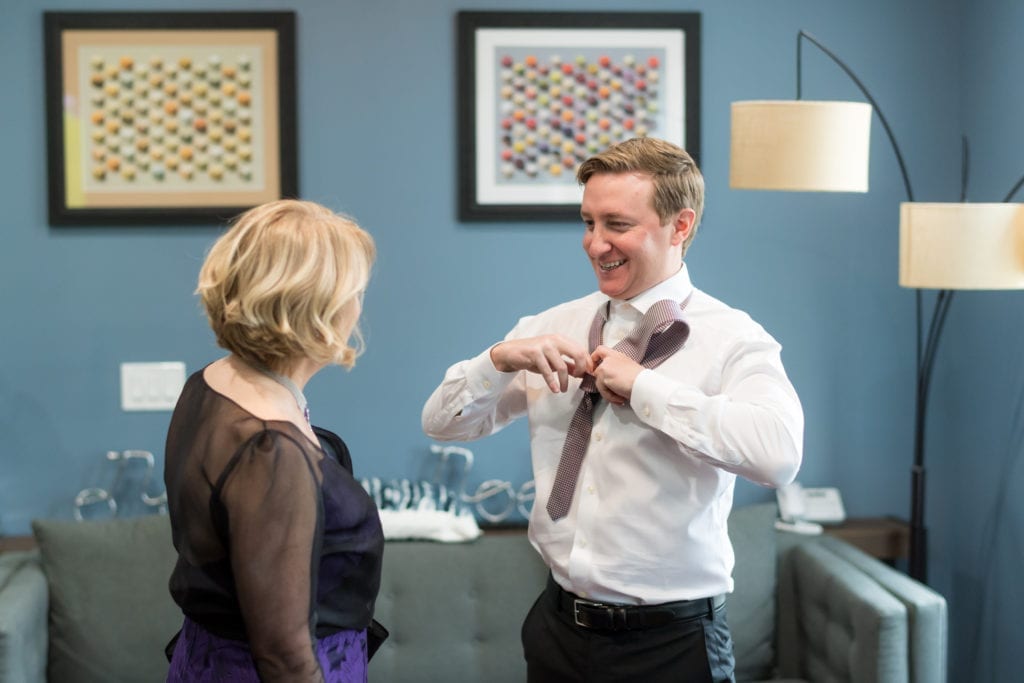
(500, 366)
(483, 377)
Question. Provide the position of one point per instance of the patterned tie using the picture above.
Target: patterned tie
(661, 333)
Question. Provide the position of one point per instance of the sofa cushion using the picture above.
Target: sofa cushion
(109, 601)
(455, 610)
(751, 607)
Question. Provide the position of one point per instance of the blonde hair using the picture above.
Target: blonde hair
(678, 183)
(286, 282)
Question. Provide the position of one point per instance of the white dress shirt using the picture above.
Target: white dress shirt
(648, 520)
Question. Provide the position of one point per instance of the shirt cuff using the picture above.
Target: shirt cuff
(673, 408)
(483, 378)
(650, 395)
(654, 392)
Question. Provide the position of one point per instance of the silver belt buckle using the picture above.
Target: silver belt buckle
(577, 603)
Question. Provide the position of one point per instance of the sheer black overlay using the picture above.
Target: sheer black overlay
(277, 542)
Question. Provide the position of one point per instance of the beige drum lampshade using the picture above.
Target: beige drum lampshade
(800, 145)
(961, 246)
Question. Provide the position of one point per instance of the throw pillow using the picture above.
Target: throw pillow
(111, 612)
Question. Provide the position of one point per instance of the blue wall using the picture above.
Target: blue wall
(377, 140)
(977, 513)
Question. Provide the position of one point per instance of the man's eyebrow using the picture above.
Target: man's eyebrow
(607, 214)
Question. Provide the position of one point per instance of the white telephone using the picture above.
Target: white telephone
(802, 510)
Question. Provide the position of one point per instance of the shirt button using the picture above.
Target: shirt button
(590, 489)
(487, 384)
(583, 544)
(597, 436)
(647, 411)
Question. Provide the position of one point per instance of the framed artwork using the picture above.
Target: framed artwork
(168, 117)
(539, 92)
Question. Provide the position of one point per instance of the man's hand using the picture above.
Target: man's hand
(551, 356)
(615, 373)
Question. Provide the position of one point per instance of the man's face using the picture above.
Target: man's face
(629, 247)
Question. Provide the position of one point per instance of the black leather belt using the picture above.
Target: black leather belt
(609, 617)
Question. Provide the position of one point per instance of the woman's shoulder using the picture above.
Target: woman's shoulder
(276, 438)
(268, 453)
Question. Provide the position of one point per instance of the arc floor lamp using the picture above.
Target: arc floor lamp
(802, 145)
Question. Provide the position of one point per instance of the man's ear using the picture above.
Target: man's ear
(682, 226)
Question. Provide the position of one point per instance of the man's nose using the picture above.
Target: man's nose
(597, 244)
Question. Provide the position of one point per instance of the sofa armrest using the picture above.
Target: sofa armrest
(23, 612)
(926, 612)
(835, 622)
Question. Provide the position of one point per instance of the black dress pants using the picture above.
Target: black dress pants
(696, 650)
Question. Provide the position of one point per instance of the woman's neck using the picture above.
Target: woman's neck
(274, 392)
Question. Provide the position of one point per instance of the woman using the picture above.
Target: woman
(279, 548)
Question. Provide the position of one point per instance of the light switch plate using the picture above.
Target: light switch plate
(151, 386)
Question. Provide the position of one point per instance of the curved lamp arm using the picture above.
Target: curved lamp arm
(849, 72)
(1013, 191)
(926, 348)
(943, 299)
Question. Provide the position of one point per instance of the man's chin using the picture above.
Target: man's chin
(611, 289)
(613, 283)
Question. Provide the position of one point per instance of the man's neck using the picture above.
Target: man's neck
(644, 294)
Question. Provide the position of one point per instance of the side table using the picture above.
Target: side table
(11, 543)
(887, 538)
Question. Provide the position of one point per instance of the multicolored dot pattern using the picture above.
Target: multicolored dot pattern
(554, 111)
(163, 117)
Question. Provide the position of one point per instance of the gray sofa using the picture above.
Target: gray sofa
(91, 604)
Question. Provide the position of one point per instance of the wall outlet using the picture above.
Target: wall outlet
(151, 386)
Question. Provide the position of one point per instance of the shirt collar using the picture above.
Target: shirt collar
(677, 288)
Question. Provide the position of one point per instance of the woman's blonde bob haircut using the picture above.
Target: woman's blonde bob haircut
(285, 282)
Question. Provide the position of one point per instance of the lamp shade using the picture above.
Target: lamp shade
(962, 246)
(800, 145)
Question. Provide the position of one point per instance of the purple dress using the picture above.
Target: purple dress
(201, 657)
(278, 547)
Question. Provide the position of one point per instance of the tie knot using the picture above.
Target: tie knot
(588, 385)
(660, 317)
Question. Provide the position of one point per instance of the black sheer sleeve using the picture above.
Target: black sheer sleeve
(272, 500)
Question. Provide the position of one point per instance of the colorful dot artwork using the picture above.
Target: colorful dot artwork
(554, 112)
(169, 119)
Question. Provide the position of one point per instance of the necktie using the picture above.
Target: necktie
(659, 334)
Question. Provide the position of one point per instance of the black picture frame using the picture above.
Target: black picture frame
(501, 55)
(168, 117)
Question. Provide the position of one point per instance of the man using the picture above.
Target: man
(635, 534)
